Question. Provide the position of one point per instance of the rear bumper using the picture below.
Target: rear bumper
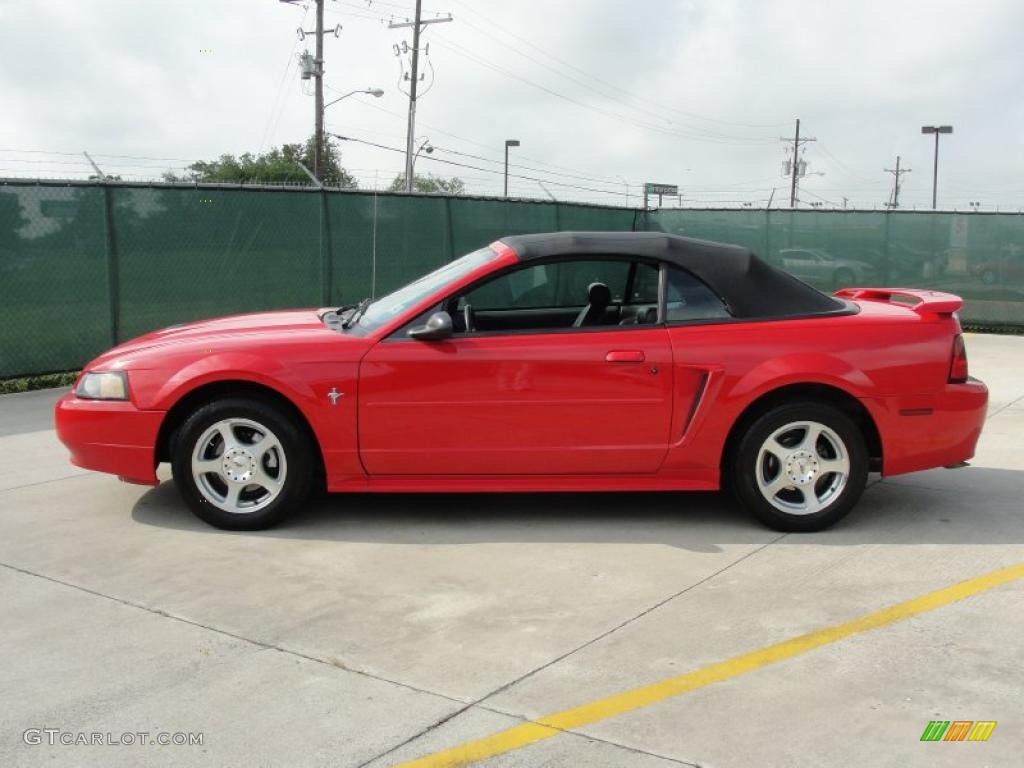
(924, 432)
(110, 436)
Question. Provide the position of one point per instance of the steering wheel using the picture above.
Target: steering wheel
(467, 317)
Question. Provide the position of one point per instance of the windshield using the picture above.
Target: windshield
(387, 307)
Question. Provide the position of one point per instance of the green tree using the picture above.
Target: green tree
(430, 183)
(12, 220)
(277, 165)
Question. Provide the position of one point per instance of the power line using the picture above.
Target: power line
(577, 176)
(604, 93)
(275, 115)
(433, 159)
(95, 154)
(624, 92)
(720, 139)
(435, 129)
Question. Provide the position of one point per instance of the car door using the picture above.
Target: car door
(511, 400)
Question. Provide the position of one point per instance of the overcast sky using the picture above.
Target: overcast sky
(603, 94)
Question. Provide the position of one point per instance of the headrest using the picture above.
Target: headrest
(599, 294)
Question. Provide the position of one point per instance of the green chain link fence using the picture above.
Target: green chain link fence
(979, 256)
(85, 265)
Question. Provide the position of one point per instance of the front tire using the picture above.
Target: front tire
(241, 464)
(800, 467)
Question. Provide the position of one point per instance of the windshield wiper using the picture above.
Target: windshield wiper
(353, 318)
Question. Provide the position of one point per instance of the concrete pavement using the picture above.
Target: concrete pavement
(376, 629)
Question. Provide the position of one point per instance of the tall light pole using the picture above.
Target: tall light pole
(508, 143)
(936, 129)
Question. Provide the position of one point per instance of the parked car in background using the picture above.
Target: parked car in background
(623, 361)
(822, 268)
(995, 271)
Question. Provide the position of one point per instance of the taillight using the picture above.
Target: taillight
(958, 365)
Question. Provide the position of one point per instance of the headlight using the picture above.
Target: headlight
(103, 386)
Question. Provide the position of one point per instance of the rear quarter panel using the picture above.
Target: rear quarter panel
(886, 356)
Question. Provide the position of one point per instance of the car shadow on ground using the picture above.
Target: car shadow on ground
(930, 508)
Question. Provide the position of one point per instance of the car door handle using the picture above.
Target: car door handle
(625, 356)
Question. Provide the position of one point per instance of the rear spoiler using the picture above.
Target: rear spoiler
(922, 301)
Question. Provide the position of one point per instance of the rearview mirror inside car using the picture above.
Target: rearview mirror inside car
(438, 326)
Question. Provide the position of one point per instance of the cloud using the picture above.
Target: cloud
(606, 93)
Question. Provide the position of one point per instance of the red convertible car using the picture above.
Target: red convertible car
(552, 362)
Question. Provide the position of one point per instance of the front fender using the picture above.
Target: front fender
(304, 383)
(229, 366)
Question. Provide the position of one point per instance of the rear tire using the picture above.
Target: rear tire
(800, 467)
(241, 464)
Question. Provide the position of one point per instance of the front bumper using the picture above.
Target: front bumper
(110, 436)
(925, 432)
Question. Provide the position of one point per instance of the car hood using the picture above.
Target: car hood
(221, 334)
(232, 325)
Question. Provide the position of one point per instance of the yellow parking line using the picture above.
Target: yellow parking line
(627, 701)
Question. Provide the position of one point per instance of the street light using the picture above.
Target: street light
(508, 143)
(375, 92)
(427, 147)
(936, 129)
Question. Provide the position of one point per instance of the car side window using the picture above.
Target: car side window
(688, 298)
(645, 285)
(552, 285)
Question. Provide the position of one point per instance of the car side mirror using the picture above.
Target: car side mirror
(438, 326)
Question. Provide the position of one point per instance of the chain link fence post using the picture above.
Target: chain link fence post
(449, 229)
(113, 264)
(326, 267)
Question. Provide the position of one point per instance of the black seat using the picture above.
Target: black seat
(599, 296)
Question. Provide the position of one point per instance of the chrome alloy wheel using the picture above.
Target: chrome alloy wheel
(802, 468)
(239, 465)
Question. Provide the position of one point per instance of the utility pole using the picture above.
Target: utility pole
(314, 68)
(318, 74)
(896, 173)
(508, 143)
(797, 141)
(417, 25)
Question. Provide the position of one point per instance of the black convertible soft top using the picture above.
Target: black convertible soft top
(749, 286)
